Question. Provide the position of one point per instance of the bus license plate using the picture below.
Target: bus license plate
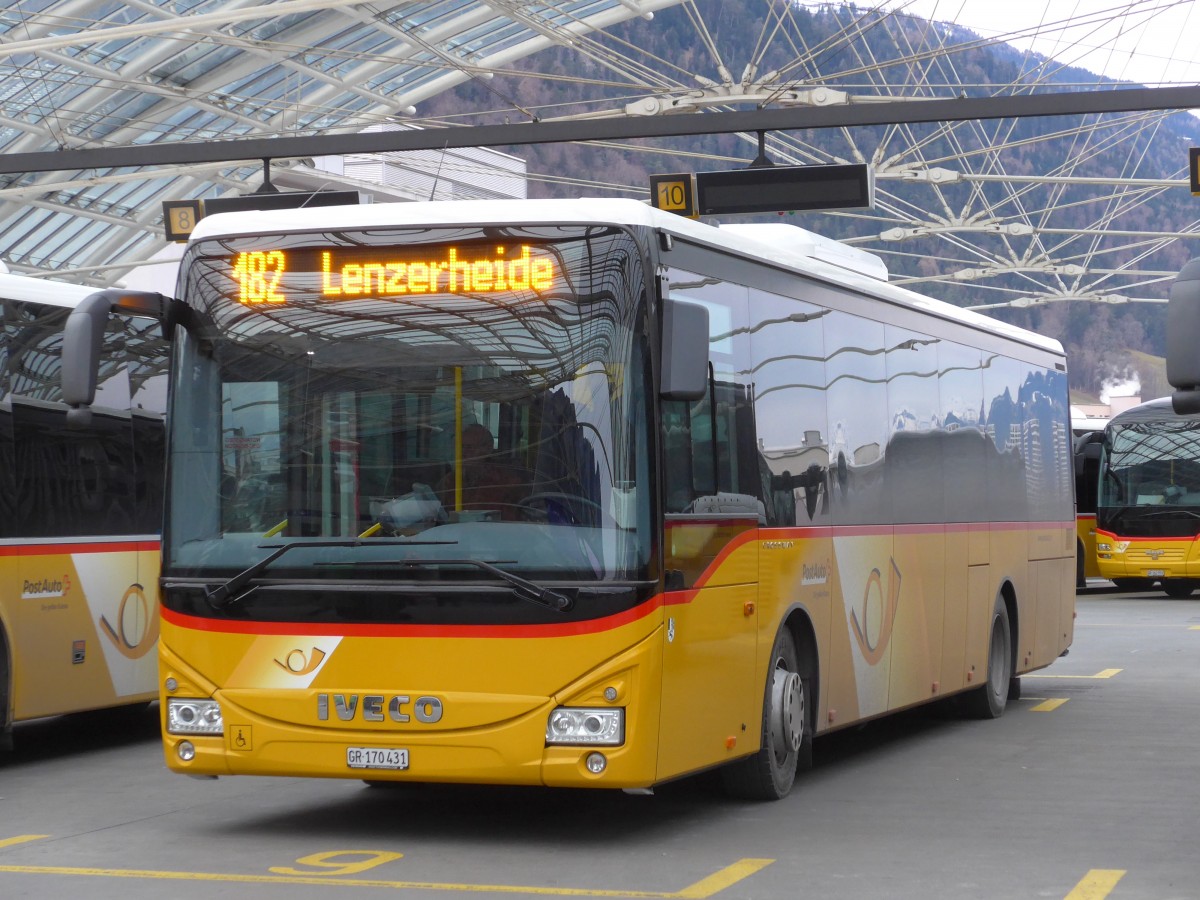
(376, 758)
(1155, 573)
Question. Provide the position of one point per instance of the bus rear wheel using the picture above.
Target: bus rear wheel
(989, 699)
(1178, 588)
(5, 693)
(770, 773)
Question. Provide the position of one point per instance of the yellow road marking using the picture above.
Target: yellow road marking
(718, 881)
(1194, 628)
(1096, 884)
(1050, 705)
(21, 839)
(704, 888)
(1105, 673)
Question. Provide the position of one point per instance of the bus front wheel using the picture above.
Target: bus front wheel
(770, 773)
(989, 699)
(1178, 588)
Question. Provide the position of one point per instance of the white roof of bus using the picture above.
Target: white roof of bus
(41, 290)
(803, 255)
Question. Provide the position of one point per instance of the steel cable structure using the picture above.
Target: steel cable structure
(960, 212)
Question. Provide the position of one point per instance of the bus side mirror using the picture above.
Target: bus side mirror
(83, 338)
(1183, 339)
(684, 350)
(1088, 453)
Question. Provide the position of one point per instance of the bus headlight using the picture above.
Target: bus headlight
(578, 725)
(187, 716)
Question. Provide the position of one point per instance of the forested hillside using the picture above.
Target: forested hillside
(1105, 340)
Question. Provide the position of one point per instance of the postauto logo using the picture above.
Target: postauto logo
(45, 588)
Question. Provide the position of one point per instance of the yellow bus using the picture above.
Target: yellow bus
(1087, 443)
(585, 494)
(80, 513)
(1149, 500)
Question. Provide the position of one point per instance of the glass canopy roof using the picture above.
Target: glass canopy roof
(79, 74)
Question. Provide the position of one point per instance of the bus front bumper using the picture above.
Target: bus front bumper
(1154, 559)
(504, 740)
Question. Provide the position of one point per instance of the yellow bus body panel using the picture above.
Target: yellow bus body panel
(1085, 533)
(1153, 558)
(497, 693)
(899, 616)
(82, 624)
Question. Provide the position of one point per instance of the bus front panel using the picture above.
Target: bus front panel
(409, 532)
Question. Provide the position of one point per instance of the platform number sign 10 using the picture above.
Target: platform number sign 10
(674, 193)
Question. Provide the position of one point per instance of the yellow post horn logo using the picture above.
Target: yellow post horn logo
(297, 663)
(137, 632)
(873, 650)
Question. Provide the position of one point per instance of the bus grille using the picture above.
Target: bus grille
(1152, 558)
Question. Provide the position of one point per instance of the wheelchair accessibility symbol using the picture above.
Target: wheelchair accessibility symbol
(241, 737)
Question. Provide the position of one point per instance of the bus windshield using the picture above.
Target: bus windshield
(476, 395)
(1151, 473)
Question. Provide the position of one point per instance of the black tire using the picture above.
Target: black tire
(6, 742)
(1080, 569)
(786, 731)
(1014, 689)
(1133, 584)
(1178, 588)
(989, 700)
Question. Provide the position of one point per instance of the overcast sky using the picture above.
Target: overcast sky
(1151, 42)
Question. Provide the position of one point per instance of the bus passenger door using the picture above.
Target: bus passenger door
(711, 705)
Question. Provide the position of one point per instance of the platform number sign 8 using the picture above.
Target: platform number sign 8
(180, 217)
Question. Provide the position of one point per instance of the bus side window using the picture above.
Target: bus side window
(712, 463)
(677, 451)
(710, 446)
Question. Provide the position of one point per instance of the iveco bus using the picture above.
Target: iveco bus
(1148, 505)
(585, 494)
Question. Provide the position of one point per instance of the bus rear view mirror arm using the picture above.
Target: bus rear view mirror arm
(83, 338)
(684, 350)
(1183, 339)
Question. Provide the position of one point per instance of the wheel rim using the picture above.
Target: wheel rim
(787, 712)
(998, 660)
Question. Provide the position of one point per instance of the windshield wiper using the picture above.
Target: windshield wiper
(525, 589)
(1177, 511)
(223, 595)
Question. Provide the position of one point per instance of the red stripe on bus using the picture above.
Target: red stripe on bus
(591, 626)
(73, 548)
(838, 531)
(1145, 540)
(565, 629)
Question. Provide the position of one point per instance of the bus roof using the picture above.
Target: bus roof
(41, 290)
(793, 249)
(1159, 410)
